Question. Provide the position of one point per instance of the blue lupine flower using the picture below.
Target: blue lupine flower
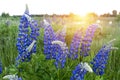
(53, 51)
(87, 40)
(100, 60)
(19, 78)
(80, 71)
(60, 57)
(49, 36)
(75, 44)
(48, 19)
(34, 34)
(60, 35)
(61, 53)
(23, 40)
(26, 37)
(0, 67)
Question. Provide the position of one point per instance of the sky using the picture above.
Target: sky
(81, 7)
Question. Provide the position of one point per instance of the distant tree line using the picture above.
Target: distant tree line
(5, 15)
(114, 14)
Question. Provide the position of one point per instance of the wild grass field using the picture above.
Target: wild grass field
(38, 68)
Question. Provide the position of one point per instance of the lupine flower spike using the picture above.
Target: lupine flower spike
(60, 35)
(61, 55)
(26, 41)
(0, 67)
(87, 40)
(75, 44)
(80, 71)
(100, 60)
(49, 36)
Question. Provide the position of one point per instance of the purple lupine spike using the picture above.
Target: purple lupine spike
(61, 53)
(48, 19)
(80, 71)
(0, 67)
(34, 33)
(60, 35)
(19, 78)
(26, 41)
(87, 40)
(60, 58)
(53, 51)
(75, 44)
(23, 38)
(100, 60)
(49, 36)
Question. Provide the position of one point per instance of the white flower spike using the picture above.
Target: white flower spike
(11, 77)
(86, 67)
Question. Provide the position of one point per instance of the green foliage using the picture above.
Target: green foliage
(8, 44)
(118, 18)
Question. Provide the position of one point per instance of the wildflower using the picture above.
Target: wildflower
(60, 35)
(75, 44)
(61, 55)
(49, 36)
(54, 49)
(26, 41)
(26, 54)
(12, 77)
(0, 67)
(87, 40)
(48, 19)
(100, 60)
(80, 71)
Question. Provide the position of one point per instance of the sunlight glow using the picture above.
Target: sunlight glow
(80, 7)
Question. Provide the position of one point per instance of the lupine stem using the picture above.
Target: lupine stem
(58, 74)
